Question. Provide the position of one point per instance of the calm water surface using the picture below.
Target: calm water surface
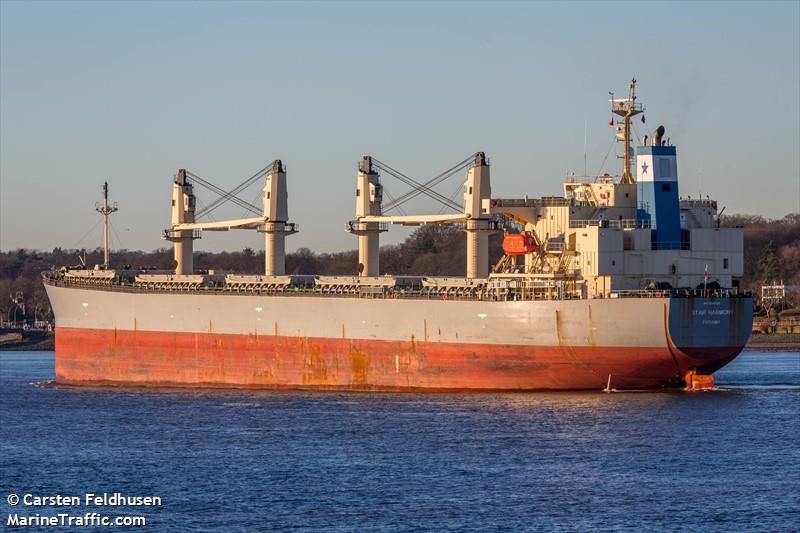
(725, 460)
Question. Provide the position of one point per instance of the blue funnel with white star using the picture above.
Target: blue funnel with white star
(657, 192)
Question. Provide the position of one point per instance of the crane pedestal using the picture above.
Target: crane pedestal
(183, 247)
(478, 231)
(275, 246)
(368, 246)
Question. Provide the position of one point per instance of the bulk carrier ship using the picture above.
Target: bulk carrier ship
(619, 284)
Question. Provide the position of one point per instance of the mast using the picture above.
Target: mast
(626, 108)
(105, 209)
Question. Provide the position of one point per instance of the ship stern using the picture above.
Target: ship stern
(706, 333)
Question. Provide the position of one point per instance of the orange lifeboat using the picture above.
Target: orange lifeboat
(519, 243)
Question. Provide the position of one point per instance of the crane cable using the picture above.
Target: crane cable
(420, 188)
(416, 186)
(226, 195)
(426, 187)
(453, 196)
(231, 194)
(392, 200)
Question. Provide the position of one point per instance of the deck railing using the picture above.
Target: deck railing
(680, 293)
(625, 223)
(494, 289)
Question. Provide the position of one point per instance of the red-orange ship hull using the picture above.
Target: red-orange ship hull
(147, 358)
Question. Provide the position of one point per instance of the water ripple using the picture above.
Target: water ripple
(725, 459)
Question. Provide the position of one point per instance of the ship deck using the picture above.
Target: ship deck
(488, 290)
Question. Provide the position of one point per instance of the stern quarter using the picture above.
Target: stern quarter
(705, 333)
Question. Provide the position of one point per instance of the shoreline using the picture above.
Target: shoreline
(774, 341)
(29, 345)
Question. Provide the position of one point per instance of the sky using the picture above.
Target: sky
(131, 92)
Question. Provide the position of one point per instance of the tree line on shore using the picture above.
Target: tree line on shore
(771, 253)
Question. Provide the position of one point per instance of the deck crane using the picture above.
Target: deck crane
(474, 214)
(271, 219)
(480, 215)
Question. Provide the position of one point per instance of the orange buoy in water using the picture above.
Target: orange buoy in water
(519, 243)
